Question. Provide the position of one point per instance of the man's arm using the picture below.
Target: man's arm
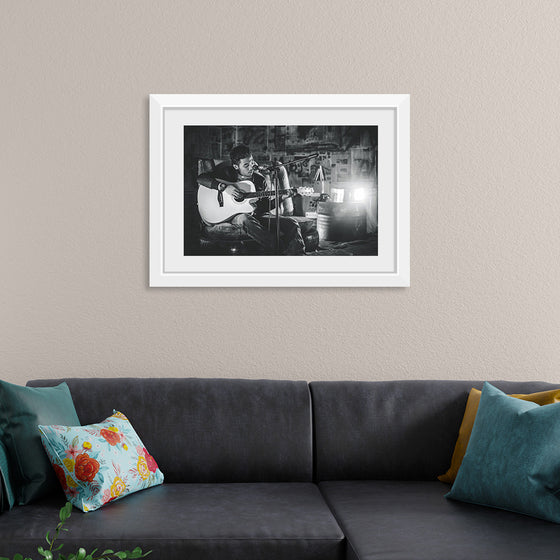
(210, 182)
(286, 205)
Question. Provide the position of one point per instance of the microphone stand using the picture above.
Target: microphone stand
(276, 185)
(273, 169)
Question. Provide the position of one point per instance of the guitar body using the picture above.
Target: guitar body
(212, 213)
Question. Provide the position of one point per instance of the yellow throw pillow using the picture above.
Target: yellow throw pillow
(541, 398)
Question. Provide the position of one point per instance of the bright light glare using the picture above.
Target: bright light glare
(359, 195)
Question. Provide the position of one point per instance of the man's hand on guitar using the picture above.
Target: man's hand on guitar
(233, 191)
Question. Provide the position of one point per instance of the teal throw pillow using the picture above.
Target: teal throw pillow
(100, 463)
(6, 489)
(21, 410)
(513, 457)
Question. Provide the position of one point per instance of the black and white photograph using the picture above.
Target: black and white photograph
(280, 190)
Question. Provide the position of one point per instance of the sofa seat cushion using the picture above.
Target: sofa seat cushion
(192, 521)
(413, 521)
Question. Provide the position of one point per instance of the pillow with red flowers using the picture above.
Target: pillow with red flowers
(99, 463)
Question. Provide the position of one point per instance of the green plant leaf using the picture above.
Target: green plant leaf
(64, 514)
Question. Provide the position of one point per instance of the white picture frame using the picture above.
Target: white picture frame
(170, 113)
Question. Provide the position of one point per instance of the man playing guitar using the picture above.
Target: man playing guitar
(243, 167)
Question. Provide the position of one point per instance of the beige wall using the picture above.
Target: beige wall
(484, 80)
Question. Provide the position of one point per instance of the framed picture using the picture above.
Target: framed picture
(279, 190)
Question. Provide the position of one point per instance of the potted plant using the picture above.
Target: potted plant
(53, 553)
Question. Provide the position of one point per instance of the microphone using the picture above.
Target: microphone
(261, 168)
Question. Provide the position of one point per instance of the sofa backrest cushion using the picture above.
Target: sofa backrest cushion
(400, 430)
(208, 430)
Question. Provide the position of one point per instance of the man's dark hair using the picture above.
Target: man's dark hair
(239, 152)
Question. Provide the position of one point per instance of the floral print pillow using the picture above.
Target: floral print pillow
(99, 463)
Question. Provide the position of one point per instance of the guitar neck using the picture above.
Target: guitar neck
(265, 194)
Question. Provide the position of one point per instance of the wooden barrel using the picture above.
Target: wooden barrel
(341, 221)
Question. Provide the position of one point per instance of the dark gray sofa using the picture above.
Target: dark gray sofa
(288, 470)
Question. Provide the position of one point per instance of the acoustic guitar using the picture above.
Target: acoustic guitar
(212, 213)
